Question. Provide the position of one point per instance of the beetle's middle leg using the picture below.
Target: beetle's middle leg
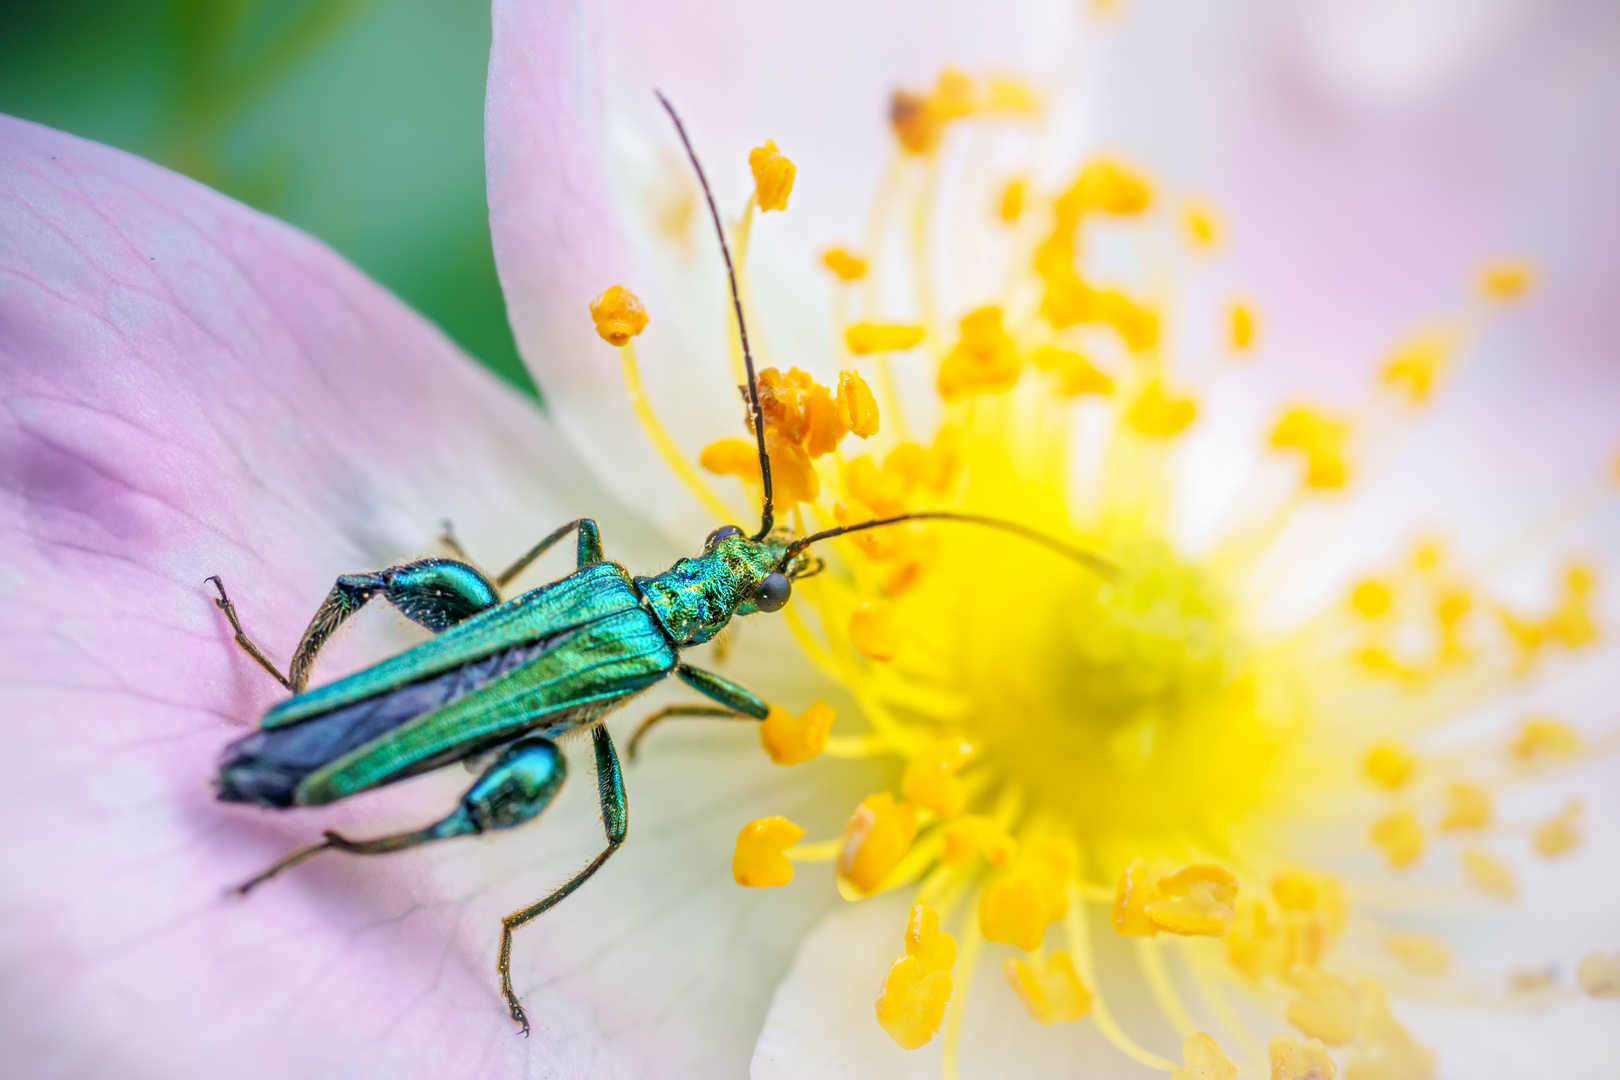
(615, 821)
(516, 787)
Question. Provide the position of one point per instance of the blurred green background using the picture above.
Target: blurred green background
(361, 121)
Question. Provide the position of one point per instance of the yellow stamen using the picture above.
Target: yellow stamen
(1326, 1008)
(789, 740)
(1076, 373)
(1544, 739)
(1131, 895)
(973, 835)
(875, 631)
(1371, 599)
(1416, 365)
(1292, 1061)
(1203, 228)
(1253, 943)
(911, 1004)
(1156, 413)
(878, 834)
(1384, 1050)
(1203, 1061)
(1490, 875)
(731, 457)
(1468, 807)
(661, 440)
(1243, 326)
(984, 361)
(846, 265)
(1012, 200)
(1560, 835)
(759, 860)
(773, 176)
(1195, 901)
(865, 338)
(1053, 996)
(1109, 186)
(618, 315)
(1599, 975)
(1508, 279)
(930, 778)
(1401, 837)
(857, 408)
(1011, 910)
(1390, 765)
(1005, 94)
(1425, 955)
(1322, 441)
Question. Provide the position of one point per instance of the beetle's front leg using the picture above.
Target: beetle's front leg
(717, 687)
(615, 821)
(517, 786)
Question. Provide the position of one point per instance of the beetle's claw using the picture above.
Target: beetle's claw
(518, 1015)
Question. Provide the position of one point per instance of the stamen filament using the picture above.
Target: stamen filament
(660, 436)
(1074, 927)
(967, 959)
(1151, 956)
(820, 851)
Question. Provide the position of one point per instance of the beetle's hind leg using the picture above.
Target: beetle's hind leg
(669, 712)
(615, 822)
(244, 642)
(521, 782)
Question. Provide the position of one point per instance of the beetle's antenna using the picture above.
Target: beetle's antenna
(1089, 560)
(767, 516)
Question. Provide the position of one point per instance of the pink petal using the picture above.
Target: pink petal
(190, 388)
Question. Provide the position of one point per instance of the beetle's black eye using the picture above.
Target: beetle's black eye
(720, 534)
(773, 592)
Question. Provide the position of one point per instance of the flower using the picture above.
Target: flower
(191, 389)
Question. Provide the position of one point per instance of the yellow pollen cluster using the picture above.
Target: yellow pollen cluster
(1016, 905)
(983, 361)
(773, 176)
(759, 859)
(1203, 228)
(1242, 326)
(1320, 439)
(930, 779)
(911, 1005)
(1291, 929)
(1416, 365)
(877, 835)
(1202, 1060)
(844, 264)
(1076, 375)
(618, 315)
(919, 120)
(1197, 900)
(1390, 765)
(1052, 993)
(790, 740)
(1508, 279)
(1292, 1061)
(866, 338)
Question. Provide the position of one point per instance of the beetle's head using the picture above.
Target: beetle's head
(760, 580)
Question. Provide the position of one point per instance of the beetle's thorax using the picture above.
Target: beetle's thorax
(696, 598)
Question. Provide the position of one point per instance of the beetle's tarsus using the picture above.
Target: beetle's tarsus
(224, 604)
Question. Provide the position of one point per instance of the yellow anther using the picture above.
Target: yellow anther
(1137, 326)
(784, 401)
(883, 491)
(1202, 1060)
(1292, 1061)
(1253, 940)
(1107, 186)
(848, 266)
(879, 832)
(1326, 1008)
(1507, 279)
(790, 740)
(1427, 555)
(1384, 1050)
(1012, 200)
(1242, 326)
(874, 630)
(1294, 891)
(1194, 901)
(857, 408)
(1560, 835)
(953, 95)
(930, 778)
(824, 423)
(1075, 373)
(1390, 765)
(1156, 413)
(732, 457)
(1132, 892)
(1415, 366)
(1544, 739)
(973, 835)
(1401, 838)
(1424, 955)
(759, 860)
(1011, 910)
(1370, 599)
(983, 361)
(1468, 806)
(1490, 875)
(1599, 975)
(1053, 996)
(1321, 439)
(618, 315)
(1050, 862)
(773, 176)
(1572, 623)
(915, 123)
(865, 338)
(1203, 228)
(793, 475)
(911, 1004)
(1005, 94)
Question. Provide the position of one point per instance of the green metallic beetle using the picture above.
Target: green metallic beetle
(508, 677)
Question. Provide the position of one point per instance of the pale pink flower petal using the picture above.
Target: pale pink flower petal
(189, 388)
